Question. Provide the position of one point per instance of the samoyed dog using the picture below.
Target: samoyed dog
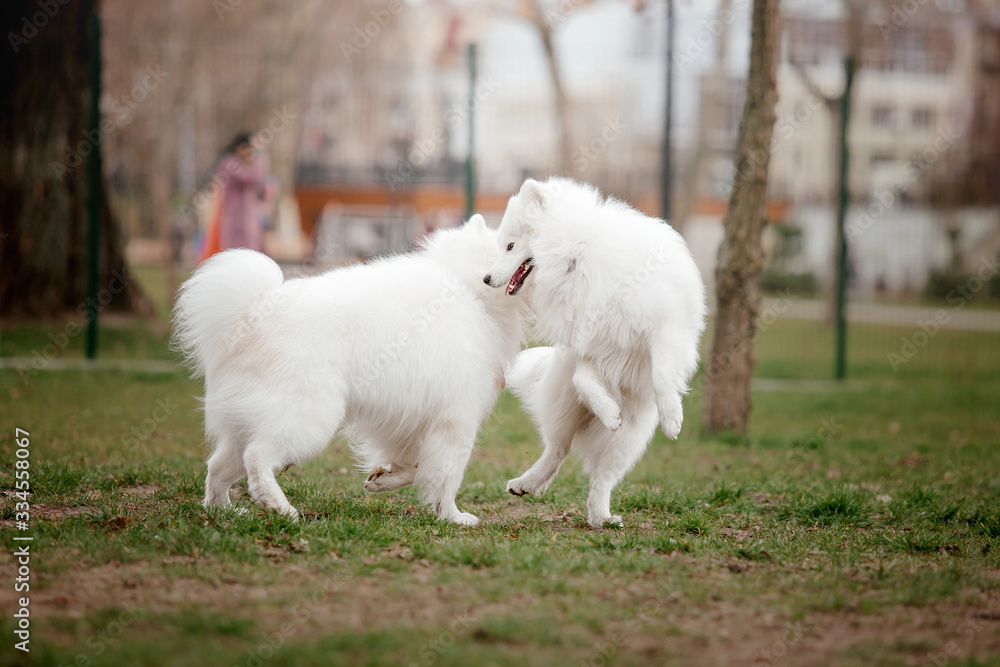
(621, 299)
(404, 356)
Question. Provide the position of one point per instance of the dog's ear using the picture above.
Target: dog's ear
(533, 192)
(477, 222)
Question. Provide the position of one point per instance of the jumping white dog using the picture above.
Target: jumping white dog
(405, 356)
(621, 298)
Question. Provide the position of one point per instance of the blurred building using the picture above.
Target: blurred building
(388, 113)
(607, 53)
(911, 94)
(924, 111)
(983, 173)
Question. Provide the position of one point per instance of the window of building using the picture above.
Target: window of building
(881, 159)
(883, 116)
(923, 118)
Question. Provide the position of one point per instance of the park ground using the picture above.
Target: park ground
(857, 524)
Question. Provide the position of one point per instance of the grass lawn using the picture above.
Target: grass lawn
(858, 524)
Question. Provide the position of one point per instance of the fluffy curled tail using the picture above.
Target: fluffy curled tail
(526, 372)
(217, 303)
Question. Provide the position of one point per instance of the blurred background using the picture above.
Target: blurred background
(367, 113)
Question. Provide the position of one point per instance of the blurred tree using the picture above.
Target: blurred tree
(741, 256)
(230, 66)
(715, 83)
(545, 24)
(43, 149)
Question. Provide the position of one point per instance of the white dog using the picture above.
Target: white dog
(620, 296)
(405, 356)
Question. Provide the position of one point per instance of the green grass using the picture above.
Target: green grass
(864, 517)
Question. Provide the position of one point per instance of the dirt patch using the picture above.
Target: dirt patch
(739, 535)
(717, 632)
(321, 601)
(52, 512)
(650, 622)
(143, 491)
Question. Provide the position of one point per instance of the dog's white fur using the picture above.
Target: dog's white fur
(405, 356)
(622, 300)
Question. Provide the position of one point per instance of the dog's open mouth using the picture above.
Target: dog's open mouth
(517, 280)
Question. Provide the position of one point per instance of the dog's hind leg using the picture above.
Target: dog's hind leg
(560, 415)
(674, 358)
(443, 456)
(558, 436)
(595, 394)
(225, 466)
(390, 478)
(261, 460)
(607, 458)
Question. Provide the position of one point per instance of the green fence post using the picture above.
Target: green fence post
(470, 167)
(93, 181)
(843, 199)
(667, 170)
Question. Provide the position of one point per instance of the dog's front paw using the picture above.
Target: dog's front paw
(600, 521)
(671, 426)
(609, 413)
(372, 483)
(291, 513)
(521, 486)
(465, 519)
(671, 418)
(613, 422)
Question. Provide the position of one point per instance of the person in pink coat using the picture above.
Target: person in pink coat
(243, 174)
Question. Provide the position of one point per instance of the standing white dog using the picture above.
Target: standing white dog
(620, 296)
(405, 356)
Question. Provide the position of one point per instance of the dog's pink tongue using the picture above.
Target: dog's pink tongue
(515, 280)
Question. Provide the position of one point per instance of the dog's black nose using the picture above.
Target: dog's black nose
(486, 278)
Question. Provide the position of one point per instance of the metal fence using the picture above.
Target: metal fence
(365, 111)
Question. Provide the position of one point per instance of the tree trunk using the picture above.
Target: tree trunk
(564, 165)
(741, 256)
(43, 83)
(714, 100)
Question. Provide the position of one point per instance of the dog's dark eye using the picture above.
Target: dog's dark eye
(510, 246)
